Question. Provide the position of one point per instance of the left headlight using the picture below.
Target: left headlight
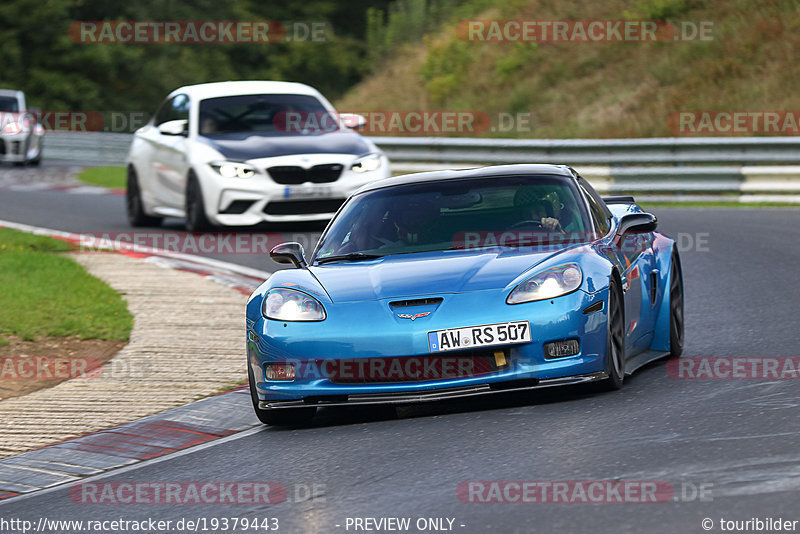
(13, 128)
(547, 284)
(292, 305)
(231, 169)
(370, 162)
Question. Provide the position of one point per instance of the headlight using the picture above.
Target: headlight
(13, 128)
(547, 284)
(291, 305)
(367, 163)
(230, 169)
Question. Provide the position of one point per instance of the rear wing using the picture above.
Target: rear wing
(619, 200)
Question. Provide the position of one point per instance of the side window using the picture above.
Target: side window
(596, 210)
(179, 110)
(176, 108)
(162, 113)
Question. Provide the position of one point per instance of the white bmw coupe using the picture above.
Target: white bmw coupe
(240, 153)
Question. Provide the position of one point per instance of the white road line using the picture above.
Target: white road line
(138, 465)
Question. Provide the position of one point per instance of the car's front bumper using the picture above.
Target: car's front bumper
(246, 202)
(372, 330)
(14, 148)
(432, 395)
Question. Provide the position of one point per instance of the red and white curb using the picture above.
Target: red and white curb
(173, 430)
(238, 277)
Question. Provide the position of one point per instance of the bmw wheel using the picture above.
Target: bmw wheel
(133, 203)
(196, 219)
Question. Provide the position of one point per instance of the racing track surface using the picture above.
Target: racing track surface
(739, 436)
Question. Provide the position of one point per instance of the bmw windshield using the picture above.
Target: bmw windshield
(275, 113)
(507, 211)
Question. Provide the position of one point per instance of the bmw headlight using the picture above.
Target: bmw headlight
(547, 284)
(231, 169)
(291, 305)
(370, 162)
(13, 128)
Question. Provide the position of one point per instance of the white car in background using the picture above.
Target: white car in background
(20, 132)
(245, 152)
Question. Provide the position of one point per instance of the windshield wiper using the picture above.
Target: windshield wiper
(353, 256)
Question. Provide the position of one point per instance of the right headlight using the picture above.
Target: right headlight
(547, 284)
(232, 169)
(283, 304)
(370, 162)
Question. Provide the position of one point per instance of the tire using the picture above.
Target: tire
(676, 316)
(196, 219)
(285, 417)
(134, 207)
(615, 339)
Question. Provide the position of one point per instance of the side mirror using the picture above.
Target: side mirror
(353, 120)
(289, 253)
(178, 127)
(637, 223)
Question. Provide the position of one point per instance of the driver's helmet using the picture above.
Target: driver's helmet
(541, 198)
(415, 218)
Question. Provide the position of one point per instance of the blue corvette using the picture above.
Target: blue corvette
(447, 284)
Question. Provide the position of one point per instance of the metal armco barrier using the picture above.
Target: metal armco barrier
(748, 169)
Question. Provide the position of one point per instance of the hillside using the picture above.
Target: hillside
(590, 89)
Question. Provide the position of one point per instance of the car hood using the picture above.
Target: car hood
(409, 275)
(246, 146)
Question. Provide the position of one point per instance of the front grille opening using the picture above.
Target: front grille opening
(303, 207)
(237, 207)
(294, 175)
(415, 302)
(424, 368)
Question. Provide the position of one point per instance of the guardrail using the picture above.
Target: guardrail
(748, 169)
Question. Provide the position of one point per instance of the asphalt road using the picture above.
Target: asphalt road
(736, 439)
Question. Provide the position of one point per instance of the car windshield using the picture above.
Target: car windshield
(508, 211)
(9, 104)
(276, 113)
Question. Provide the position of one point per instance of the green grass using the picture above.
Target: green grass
(44, 293)
(111, 177)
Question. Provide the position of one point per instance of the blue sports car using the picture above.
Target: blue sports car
(441, 285)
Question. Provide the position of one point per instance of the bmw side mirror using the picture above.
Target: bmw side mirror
(353, 121)
(637, 223)
(289, 253)
(178, 127)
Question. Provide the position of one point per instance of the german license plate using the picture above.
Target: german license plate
(307, 191)
(487, 335)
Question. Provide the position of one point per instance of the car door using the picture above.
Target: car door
(169, 164)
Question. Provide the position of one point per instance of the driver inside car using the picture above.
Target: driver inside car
(542, 206)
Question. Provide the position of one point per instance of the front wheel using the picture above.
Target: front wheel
(196, 219)
(676, 322)
(285, 417)
(615, 342)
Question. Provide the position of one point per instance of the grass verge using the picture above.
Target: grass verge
(111, 177)
(44, 293)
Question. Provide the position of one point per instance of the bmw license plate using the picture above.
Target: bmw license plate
(307, 191)
(487, 335)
